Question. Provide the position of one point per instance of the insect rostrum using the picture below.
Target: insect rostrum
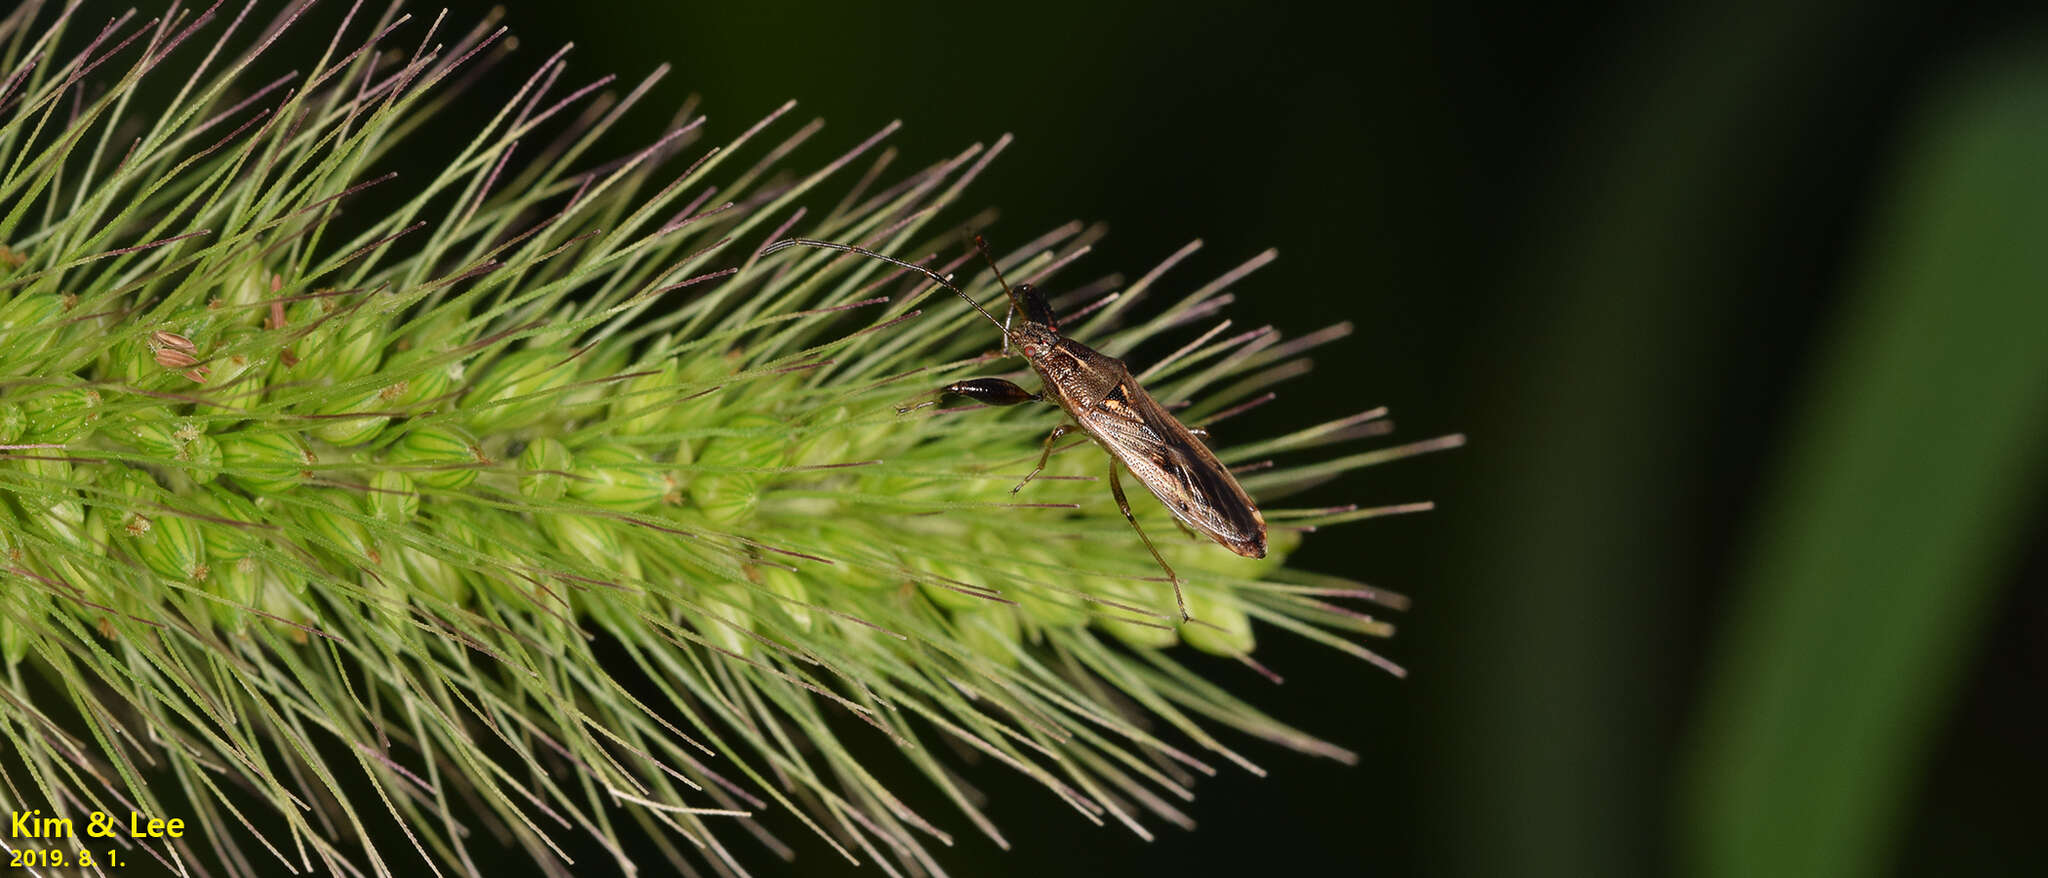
(540, 504)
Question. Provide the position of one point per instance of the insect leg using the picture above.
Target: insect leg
(987, 391)
(991, 391)
(1045, 455)
(1123, 504)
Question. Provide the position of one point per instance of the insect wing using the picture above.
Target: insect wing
(1177, 468)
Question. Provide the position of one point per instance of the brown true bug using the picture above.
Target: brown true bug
(1105, 402)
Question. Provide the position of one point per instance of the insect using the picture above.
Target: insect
(1103, 400)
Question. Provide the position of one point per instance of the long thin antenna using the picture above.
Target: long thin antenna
(849, 248)
(981, 244)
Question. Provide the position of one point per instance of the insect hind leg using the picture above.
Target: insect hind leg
(987, 391)
(1123, 504)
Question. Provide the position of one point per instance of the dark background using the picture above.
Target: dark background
(1611, 243)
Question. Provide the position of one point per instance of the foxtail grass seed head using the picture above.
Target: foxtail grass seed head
(529, 498)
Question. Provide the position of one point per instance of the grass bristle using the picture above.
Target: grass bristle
(539, 502)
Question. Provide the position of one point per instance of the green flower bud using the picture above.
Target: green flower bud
(428, 573)
(347, 346)
(828, 439)
(266, 462)
(531, 373)
(241, 298)
(63, 416)
(128, 361)
(31, 325)
(129, 515)
(592, 387)
(948, 585)
(729, 496)
(171, 546)
(425, 391)
(204, 455)
(490, 584)
(157, 438)
(595, 540)
(617, 477)
(13, 643)
(1051, 608)
(1226, 629)
(235, 385)
(726, 617)
(438, 456)
(543, 469)
(641, 403)
(240, 582)
(13, 422)
(51, 499)
(175, 443)
(786, 584)
(1138, 631)
(351, 431)
(338, 534)
(227, 543)
(393, 497)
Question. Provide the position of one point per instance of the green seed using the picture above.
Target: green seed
(438, 456)
(786, 584)
(727, 617)
(595, 379)
(951, 586)
(424, 390)
(172, 547)
(242, 296)
(13, 643)
(729, 496)
(428, 573)
(156, 438)
(13, 422)
(337, 533)
(63, 416)
(345, 346)
(519, 390)
(346, 432)
(266, 462)
(1226, 630)
(52, 501)
(542, 470)
(204, 456)
(1050, 607)
(393, 497)
(591, 539)
(642, 403)
(239, 581)
(616, 477)
(226, 543)
(698, 383)
(26, 323)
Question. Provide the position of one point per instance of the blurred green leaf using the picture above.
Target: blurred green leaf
(1908, 474)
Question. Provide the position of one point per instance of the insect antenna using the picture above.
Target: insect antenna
(941, 281)
(981, 244)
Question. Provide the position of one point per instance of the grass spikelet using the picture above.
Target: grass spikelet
(541, 503)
